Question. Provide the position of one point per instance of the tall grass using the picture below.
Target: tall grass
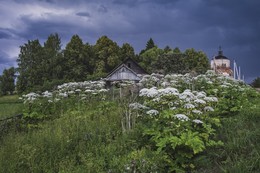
(241, 137)
(10, 106)
(88, 137)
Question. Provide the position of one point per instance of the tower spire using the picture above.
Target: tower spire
(220, 52)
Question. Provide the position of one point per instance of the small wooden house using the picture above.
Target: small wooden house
(128, 70)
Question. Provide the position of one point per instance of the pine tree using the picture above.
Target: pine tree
(150, 44)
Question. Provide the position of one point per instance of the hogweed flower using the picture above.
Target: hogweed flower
(209, 109)
(197, 121)
(195, 111)
(181, 117)
(47, 94)
(189, 106)
(137, 106)
(152, 112)
(152, 92)
(200, 101)
(173, 108)
(168, 91)
(211, 99)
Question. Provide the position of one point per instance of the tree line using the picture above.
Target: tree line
(41, 67)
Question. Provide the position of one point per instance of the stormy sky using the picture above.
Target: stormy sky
(201, 24)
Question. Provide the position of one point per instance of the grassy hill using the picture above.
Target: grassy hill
(10, 105)
(90, 131)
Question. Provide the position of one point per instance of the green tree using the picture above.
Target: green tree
(149, 45)
(176, 50)
(196, 61)
(256, 83)
(51, 63)
(74, 68)
(171, 62)
(107, 56)
(167, 49)
(148, 60)
(30, 66)
(7, 81)
(127, 51)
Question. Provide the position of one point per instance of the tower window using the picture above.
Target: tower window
(129, 65)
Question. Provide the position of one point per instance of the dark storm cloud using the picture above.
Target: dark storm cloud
(4, 58)
(5, 61)
(4, 34)
(83, 14)
(42, 28)
(102, 9)
(133, 3)
(201, 24)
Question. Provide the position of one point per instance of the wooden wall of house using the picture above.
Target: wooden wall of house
(123, 74)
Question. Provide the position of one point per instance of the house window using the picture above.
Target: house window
(129, 65)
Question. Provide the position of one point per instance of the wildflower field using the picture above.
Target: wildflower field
(175, 123)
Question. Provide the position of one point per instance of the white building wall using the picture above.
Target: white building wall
(220, 63)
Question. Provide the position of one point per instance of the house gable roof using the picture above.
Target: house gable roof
(122, 72)
(139, 69)
(134, 70)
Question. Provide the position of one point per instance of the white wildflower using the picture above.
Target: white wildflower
(181, 117)
(152, 112)
(152, 92)
(31, 97)
(211, 99)
(196, 111)
(172, 108)
(208, 108)
(63, 94)
(157, 99)
(223, 86)
(186, 94)
(165, 84)
(201, 95)
(103, 90)
(47, 94)
(168, 91)
(200, 101)
(197, 121)
(89, 91)
(71, 92)
(137, 106)
(189, 106)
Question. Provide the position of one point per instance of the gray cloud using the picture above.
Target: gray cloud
(4, 35)
(201, 24)
(83, 14)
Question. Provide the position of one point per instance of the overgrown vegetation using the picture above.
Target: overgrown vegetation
(178, 123)
(41, 66)
(10, 106)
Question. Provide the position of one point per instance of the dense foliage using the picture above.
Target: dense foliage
(41, 67)
(176, 123)
(7, 85)
(256, 83)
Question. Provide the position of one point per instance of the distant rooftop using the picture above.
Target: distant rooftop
(220, 54)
